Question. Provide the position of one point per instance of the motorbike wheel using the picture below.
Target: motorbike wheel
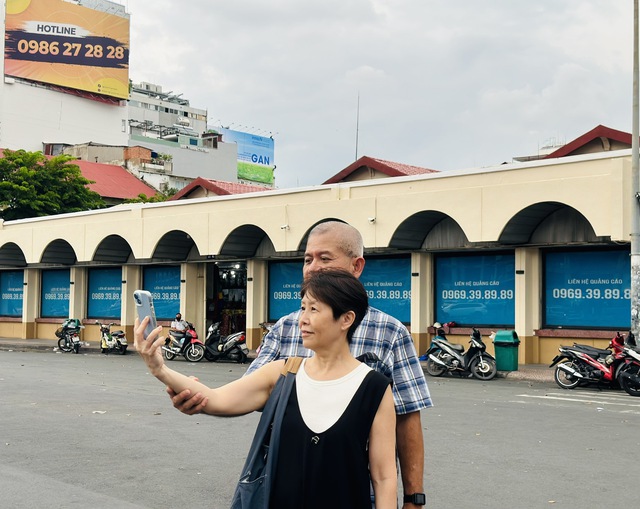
(433, 368)
(209, 356)
(168, 355)
(242, 357)
(629, 386)
(194, 353)
(483, 368)
(123, 349)
(76, 348)
(64, 345)
(564, 379)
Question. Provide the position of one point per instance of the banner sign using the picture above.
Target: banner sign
(164, 284)
(285, 279)
(388, 285)
(54, 298)
(255, 155)
(11, 288)
(63, 43)
(588, 289)
(475, 290)
(104, 299)
(386, 280)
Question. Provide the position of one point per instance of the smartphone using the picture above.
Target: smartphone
(144, 305)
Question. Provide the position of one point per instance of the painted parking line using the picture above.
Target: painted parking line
(614, 400)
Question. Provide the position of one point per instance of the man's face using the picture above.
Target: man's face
(323, 253)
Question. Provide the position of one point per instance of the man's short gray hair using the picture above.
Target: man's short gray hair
(349, 239)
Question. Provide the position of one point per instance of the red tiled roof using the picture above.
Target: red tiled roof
(218, 187)
(389, 168)
(113, 181)
(598, 132)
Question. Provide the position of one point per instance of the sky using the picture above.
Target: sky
(441, 84)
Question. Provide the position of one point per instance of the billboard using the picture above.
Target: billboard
(164, 284)
(104, 293)
(61, 43)
(475, 290)
(587, 289)
(255, 155)
(386, 280)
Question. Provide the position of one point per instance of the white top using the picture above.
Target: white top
(322, 402)
(179, 325)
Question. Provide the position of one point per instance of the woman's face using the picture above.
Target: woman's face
(317, 325)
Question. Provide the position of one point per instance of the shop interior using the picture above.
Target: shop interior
(227, 295)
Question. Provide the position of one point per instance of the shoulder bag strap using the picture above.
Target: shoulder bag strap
(292, 365)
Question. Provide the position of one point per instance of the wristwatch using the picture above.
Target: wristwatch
(416, 499)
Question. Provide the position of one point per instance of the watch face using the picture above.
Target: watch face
(416, 499)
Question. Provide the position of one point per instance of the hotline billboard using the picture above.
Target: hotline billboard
(62, 43)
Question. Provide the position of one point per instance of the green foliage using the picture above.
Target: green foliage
(158, 197)
(32, 185)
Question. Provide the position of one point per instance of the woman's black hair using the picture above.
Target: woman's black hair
(341, 291)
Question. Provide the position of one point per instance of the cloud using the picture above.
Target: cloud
(441, 84)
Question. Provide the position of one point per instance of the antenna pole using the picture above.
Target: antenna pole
(358, 124)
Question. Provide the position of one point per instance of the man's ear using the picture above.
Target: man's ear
(358, 266)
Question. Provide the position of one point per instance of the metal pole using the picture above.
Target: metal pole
(635, 187)
(358, 123)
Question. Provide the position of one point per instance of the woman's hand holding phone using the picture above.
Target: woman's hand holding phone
(147, 339)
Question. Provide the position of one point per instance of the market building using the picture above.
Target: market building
(540, 248)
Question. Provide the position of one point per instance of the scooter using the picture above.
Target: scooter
(232, 347)
(444, 357)
(629, 373)
(69, 335)
(583, 364)
(112, 341)
(185, 343)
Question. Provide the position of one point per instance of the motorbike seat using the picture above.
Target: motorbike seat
(118, 333)
(591, 350)
(455, 346)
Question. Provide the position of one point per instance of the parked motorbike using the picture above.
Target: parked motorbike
(629, 373)
(69, 335)
(112, 341)
(444, 357)
(583, 364)
(185, 343)
(232, 347)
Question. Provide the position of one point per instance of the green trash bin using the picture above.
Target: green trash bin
(506, 344)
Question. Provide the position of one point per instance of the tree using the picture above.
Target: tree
(158, 197)
(32, 185)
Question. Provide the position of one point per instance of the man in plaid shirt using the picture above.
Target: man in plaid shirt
(338, 245)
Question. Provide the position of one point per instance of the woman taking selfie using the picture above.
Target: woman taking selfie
(338, 430)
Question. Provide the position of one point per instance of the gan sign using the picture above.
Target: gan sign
(61, 43)
(255, 155)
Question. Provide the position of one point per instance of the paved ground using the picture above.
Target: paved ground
(530, 372)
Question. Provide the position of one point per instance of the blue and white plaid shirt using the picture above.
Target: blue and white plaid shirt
(379, 334)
